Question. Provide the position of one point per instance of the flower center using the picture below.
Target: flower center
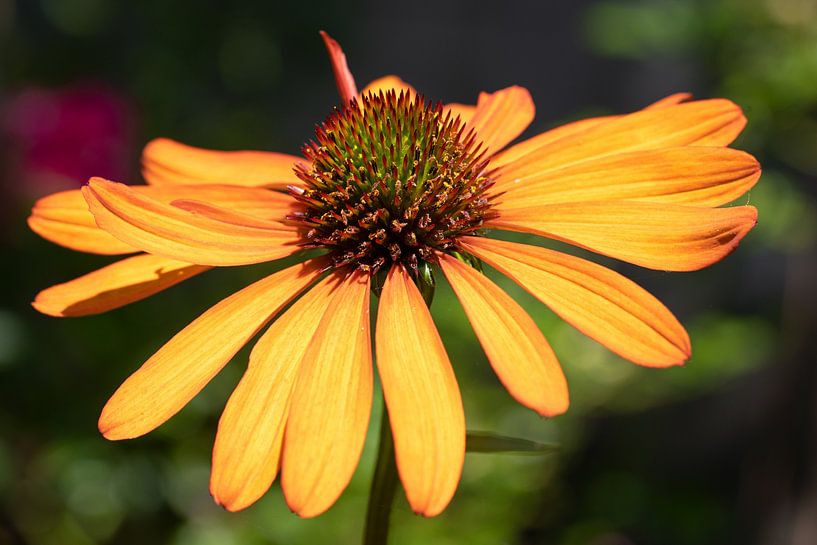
(392, 178)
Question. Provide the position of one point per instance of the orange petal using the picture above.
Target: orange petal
(247, 451)
(531, 144)
(714, 122)
(658, 236)
(600, 303)
(668, 101)
(331, 403)
(186, 363)
(422, 396)
(225, 215)
(114, 286)
(167, 162)
(517, 350)
(502, 116)
(388, 83)
(63, 218)
(465, 111)
(693, 175)
(168, 231)
(253, 201)
(343, 76)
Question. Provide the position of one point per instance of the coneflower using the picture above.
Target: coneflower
(394, 189)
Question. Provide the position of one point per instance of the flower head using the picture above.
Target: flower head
(395, 189)
(391, 180)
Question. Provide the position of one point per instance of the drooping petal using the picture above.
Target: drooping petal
(186, 363)
(169, 231)
(247, 450)
(422, 396)
(516, 348)
(63, 218)
(114, 286)
(388, 83)
(599, 302)
(715, 122)
(531, 144)
(692, 175)
(331, 403)
(666, 237)
(167, 162)
(502, 116)
(343, 76)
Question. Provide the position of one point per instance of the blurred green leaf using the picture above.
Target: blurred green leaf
(478, 441)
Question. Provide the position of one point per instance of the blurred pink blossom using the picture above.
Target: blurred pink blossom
(58, 138)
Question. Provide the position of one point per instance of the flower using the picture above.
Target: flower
(393, 189)
(66, 134)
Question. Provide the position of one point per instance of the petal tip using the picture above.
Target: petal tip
(679, 359)
(157, 142)
(111, 433)
(343, 77)
(43, 307)
(31, 220)
(429, 511)
(231, 503)
(552, 409)
(228, 504)
(115, 431)
(304, 508)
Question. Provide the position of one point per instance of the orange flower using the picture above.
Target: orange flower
(392, 189)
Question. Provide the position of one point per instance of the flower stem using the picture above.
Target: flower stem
(384, 486)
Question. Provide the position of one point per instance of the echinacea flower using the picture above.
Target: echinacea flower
(392, 189)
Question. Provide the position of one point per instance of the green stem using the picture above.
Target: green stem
(384, 486)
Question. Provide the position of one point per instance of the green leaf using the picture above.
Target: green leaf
(478, 441)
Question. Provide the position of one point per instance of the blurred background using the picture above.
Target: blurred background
(720, 451)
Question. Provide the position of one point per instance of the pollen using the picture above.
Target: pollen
(391, 178)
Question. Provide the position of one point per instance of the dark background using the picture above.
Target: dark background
(720, 451)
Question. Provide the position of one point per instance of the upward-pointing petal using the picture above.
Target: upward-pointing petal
(422, 396)
(340, 68)
(388, 83)
(502, 116)
(186, 363)
(464, 111)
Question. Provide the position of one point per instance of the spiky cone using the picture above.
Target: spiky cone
(393, 189)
